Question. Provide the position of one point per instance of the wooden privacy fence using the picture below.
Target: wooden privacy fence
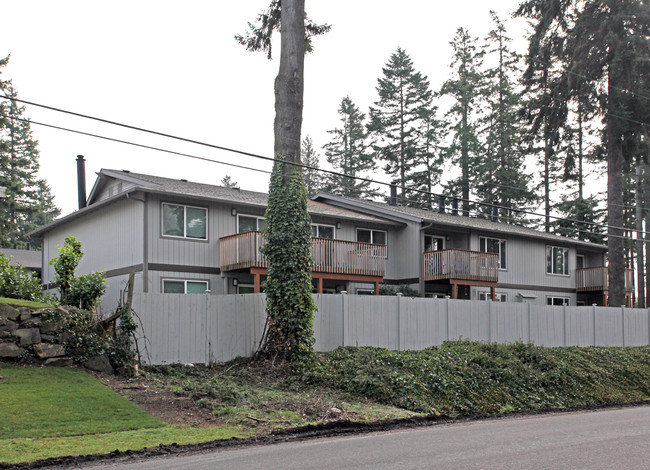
(200, 328)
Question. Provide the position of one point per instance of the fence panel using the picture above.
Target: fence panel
(201, 328)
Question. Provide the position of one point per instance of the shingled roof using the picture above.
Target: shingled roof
(413, 214)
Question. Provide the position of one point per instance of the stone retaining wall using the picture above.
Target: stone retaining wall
(26, 334)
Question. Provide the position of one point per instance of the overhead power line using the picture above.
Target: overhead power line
(519, 211)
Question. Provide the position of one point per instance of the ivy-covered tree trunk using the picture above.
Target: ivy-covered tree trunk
(289, 304)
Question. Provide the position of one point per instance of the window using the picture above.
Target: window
(246, 223)
(557, 260)
(580, 261)
(494, 245)
(371, 236)
(498, 297)
(185, 221)
(432, 243)
(184, 287)
(322, 231)
(365, 292)
(557, 301)
(245, 289)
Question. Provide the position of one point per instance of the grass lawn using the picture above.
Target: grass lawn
(54, 412)
(22, 303)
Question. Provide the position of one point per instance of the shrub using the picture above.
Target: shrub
(86, 290)
(403, 289)
(17, 283)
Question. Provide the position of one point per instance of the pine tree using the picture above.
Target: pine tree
(404, 100)
(498, 174)
(429, 157)
(313, 178)
(604, 43)
(228, 182)
(465, 90)
(29, 203)
(348, 153)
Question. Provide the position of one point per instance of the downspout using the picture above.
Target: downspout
(421, 286)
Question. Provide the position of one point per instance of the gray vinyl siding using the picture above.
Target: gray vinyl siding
(110, 239)
(215, 281)
(526, 262)
(403, 253)
(114, 188)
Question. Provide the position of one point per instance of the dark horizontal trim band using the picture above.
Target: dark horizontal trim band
(181, 268)
(566, 290)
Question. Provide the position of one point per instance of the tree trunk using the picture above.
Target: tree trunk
(640, 272)
(616, 270)
(289, 84)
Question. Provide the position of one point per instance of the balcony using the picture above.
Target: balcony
(461, 265)
(596, 279)
(337, 257)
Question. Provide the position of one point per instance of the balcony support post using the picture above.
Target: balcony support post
(320, 285)
(376, 288)
(454, 291)
(493, 294)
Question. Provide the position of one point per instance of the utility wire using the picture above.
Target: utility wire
(403, 188)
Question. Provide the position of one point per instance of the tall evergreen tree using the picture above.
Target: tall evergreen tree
(499, 174)
(465, 90)
(605, 43)
(313, 178)
(348, 153)
(429, 157)
(404, 100)
(29, 203)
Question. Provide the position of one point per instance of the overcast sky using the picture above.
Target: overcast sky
(174, 67)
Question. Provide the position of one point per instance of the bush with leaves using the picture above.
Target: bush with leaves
(83, 291)
(403, 289)
(17, 283)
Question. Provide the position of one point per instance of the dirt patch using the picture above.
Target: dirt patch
(160, 403)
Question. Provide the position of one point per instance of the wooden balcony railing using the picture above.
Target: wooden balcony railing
(596, 279)
(461, 265)
(242, 251)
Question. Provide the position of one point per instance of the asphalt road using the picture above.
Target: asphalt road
(612, 438)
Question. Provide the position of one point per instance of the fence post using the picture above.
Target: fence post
(565, 326)
(593, 308)
(399, 321)
(447, 338)
(623, 323)
(207, 328)
(530, 321)
(344, 307)
(490, 302)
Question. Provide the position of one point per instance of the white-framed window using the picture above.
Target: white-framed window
(184, 286)
(433, 243)
(557, 260)
(557, 300)
(580, 261)
(245, 289)
(247, 223)
(367, 235)
(494, 245)
(498, 296)
(183, 221)
(365, 292)
(323, 231)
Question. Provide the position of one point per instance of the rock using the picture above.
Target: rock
(64, 337)
(28, 336)
(10, 350)
(51, 327)
(100, 364)
(59, 362)
(8, 325)
(335, 411)
(47, 338)
(9, 312)
(25, 316)
(44, 350)
(41, 311)
(33, 322)
(4, 334)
